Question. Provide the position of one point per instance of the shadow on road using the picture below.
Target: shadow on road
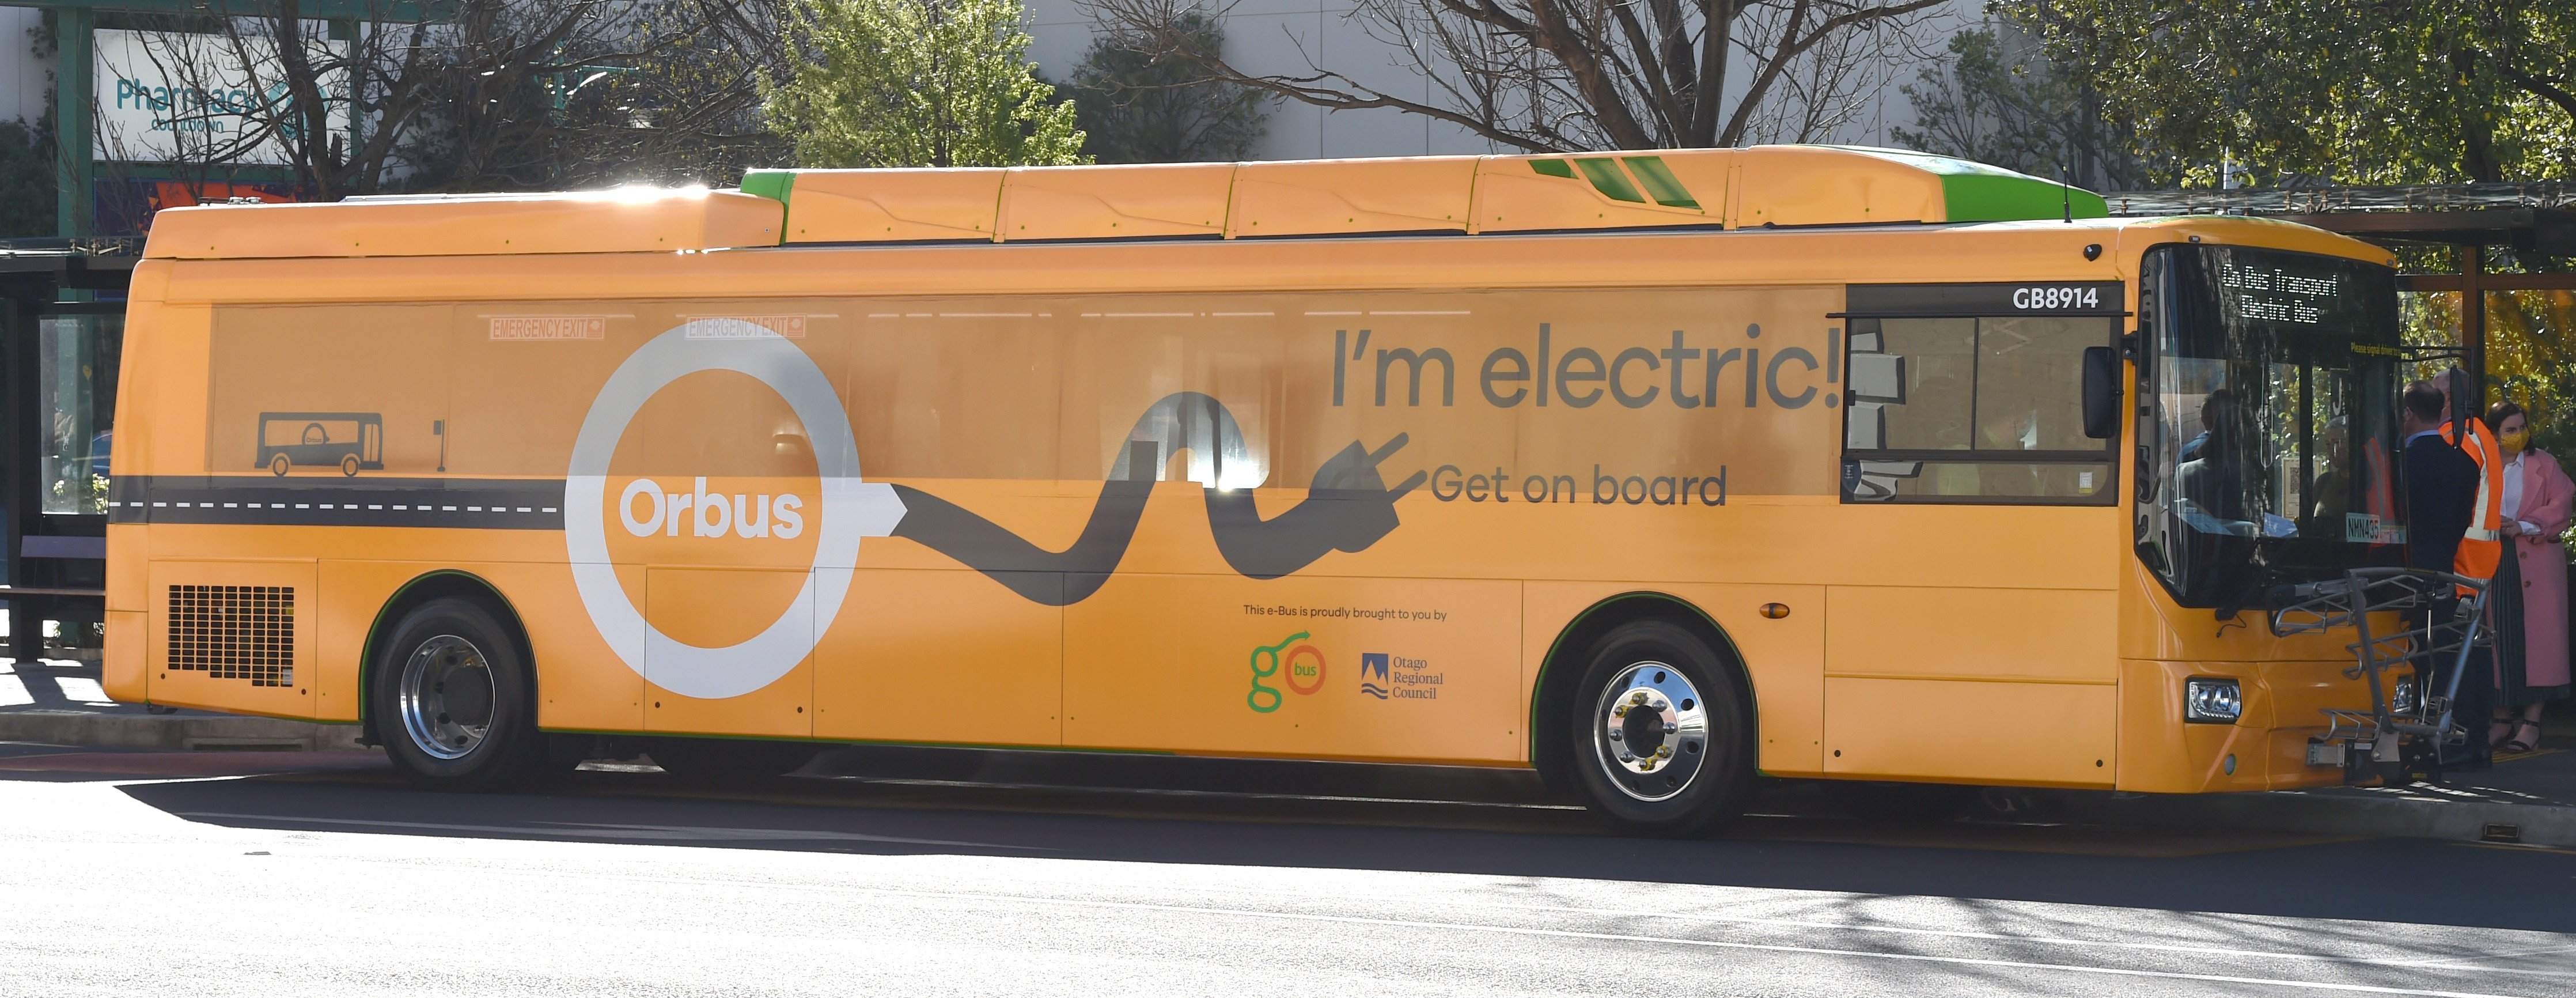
(911, 811)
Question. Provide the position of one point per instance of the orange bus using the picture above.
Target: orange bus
(1657, 473)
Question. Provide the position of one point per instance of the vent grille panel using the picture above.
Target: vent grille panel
(234, 632)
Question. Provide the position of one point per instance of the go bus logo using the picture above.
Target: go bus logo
(1304, 664)
(646, 508)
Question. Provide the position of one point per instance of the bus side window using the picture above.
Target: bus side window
(1957, 409)
(1940, 364)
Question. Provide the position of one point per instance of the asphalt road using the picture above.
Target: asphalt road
(324, 875)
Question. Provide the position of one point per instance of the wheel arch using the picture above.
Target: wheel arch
(420, 589)
(1558, 670)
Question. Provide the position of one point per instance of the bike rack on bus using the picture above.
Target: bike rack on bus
(2405, 728)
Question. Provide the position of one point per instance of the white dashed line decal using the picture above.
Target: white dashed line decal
(507, 504)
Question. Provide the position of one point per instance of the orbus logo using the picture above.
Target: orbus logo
(848, 508)
(645, 509)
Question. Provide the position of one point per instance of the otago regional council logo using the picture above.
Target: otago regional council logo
(1304, 664)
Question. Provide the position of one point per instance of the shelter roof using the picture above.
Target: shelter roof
(2533, 218)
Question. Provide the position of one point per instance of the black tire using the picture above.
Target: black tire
(349, 465)
(469, 670)
(728, 758)
(1706, 775)
(279, 465)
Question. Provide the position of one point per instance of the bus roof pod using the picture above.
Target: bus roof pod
(1722, 188)
(1763, 186)
(625, 220)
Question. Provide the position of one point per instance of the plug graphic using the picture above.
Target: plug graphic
(1351, 478)
(1348, 507)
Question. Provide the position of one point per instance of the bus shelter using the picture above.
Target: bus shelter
(58, 362)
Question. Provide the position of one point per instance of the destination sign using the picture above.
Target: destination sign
(2295, 290)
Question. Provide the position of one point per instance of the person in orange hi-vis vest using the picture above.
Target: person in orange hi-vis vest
(2483, 546)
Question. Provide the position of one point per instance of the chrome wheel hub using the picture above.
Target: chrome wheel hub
(447, 697)
(1650, 731)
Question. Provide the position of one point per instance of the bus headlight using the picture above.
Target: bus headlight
(2212, 701)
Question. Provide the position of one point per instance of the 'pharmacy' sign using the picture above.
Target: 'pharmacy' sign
(184, 97)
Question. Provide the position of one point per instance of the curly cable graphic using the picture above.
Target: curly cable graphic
(1348, 507)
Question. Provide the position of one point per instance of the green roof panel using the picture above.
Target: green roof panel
(1976, 197)
(1975, 192)
(775, 185)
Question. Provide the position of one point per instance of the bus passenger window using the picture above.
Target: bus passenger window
(1934, 410)
(2030, 382)
(1979, 410)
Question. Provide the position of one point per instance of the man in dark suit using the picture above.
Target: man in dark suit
(2441, 493)
(2441, 482)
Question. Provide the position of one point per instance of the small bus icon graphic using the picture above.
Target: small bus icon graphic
(354, 441)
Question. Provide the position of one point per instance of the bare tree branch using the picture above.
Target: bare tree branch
(503, 94)
(1547, 75)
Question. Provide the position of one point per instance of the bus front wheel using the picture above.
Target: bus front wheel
(1662, 731)
(453, 699)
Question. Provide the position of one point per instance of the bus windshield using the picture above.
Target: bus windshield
(2267, 419)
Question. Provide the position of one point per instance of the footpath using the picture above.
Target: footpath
(2522, 800)
(59, 702)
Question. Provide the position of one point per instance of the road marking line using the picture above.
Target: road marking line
(1705, 943)
(695, 832)
(2444, 963)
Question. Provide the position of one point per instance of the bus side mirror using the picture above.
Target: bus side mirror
(2101, 392)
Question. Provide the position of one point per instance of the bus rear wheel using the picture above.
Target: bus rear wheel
(1662, 732)
(279, 465)
(454, 701)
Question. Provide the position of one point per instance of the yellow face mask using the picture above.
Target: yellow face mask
(2513, 442)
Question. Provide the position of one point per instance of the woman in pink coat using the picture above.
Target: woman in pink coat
(2538, 504)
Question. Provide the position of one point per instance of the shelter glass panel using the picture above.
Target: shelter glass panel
(76, 396)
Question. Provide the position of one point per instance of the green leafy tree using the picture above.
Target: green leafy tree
(2339, 91)
(2531, 353)
(1139, 105)
(919, 83)
(1994, 102)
